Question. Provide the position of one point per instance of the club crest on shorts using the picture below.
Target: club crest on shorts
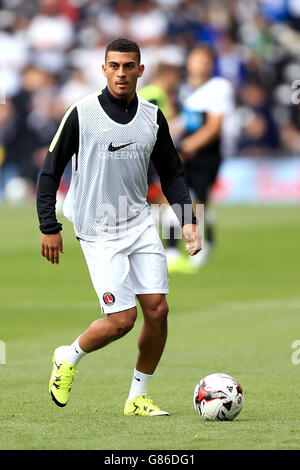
(109, 298)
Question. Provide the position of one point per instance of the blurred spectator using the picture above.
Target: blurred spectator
(8, 162)
(229, 62)
(293, 10)
(75, 88)
(213, 21)
(148, 24)
(14, 55)
(114, 19)
(89, 60)
(288, 115)
(31, 118)
(259, 131)
(50, 35)
(290, 132)
(183, 22)
(273, 10)
(256, 35)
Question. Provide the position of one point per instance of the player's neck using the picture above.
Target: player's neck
(123, 98)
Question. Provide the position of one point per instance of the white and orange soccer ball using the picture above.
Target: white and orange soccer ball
(218, 397)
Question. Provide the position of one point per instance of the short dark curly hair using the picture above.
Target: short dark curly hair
(123, 45)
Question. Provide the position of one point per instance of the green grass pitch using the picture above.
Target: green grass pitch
(238, 315)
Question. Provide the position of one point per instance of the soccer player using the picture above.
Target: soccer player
(206, 100)
(111, 136)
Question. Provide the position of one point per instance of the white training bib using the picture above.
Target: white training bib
(109, 186)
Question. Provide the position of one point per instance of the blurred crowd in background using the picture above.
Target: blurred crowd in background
(51, 52)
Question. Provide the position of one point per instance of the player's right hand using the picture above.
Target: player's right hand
(192, 237)
(51, 246)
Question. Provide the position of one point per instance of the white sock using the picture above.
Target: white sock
(139, 384)
(72, 353)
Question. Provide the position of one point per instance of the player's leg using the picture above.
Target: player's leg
(154, 331)
(151, 345)
(106, 330)
(109, 271)
(149, 277)
(99, 334)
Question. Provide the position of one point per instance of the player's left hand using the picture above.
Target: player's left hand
(192, 238)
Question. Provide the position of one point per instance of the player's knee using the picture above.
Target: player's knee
(158, 313)
(124, 327)
(163, 311)
(124, 324)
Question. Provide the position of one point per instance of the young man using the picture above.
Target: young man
(111, 136)
(206, 100)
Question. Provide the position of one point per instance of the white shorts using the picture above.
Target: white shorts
(124, 267)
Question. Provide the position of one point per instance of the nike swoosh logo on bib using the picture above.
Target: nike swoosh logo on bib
(111, 148)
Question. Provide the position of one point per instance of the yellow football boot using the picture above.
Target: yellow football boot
(61, 379)
(143, 406)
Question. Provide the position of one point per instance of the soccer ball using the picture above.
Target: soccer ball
(218, 397)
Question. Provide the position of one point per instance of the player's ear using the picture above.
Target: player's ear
(104, 69)
(141, 70)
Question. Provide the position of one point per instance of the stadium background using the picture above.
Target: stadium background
(50, 55)
(52, 51)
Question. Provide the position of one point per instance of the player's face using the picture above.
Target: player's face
(122, 71)
(199, 63)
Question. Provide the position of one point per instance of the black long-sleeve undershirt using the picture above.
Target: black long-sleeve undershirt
(164, 157)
